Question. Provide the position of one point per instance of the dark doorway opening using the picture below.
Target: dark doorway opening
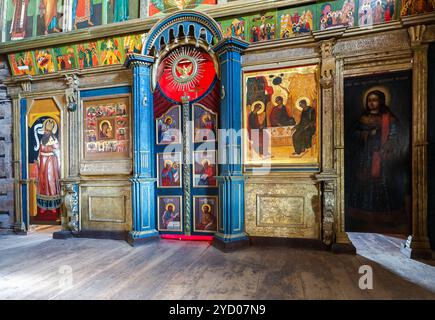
(431, 147)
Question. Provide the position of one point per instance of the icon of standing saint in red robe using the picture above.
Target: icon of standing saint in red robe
(208, 127)
(48, 163)
(170, 174)
(82, 10)
(205, 169)
(207, 175)
(19, 19)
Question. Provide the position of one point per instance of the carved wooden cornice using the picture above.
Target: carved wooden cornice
(391, 41)
(425, 18)
(230, 45)
(302, 40)
(329, 33)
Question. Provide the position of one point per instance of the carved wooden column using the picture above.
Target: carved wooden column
(327, 75)
(70, 220)
(231, 229)
(19, 225)
(72, 187)
(20, 154)
(417, 245)
(332, 226)
(144, 163)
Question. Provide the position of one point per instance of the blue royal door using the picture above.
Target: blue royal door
(186, 102)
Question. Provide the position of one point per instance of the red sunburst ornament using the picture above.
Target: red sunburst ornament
(186, 71)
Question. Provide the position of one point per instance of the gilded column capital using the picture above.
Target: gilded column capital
(26, 86)
(326, 48)
(136, 60)
(327, 72)
(416, 35)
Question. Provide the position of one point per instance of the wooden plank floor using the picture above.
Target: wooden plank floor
(31, 268)
(385, 250)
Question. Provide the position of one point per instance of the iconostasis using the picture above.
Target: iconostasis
(319, 129)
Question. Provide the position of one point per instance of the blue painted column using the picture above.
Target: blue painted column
(24, 226)
(144, 163)
(231, 223)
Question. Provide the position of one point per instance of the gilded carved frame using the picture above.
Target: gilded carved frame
(313, 166)
(91, 167)
(386, 52)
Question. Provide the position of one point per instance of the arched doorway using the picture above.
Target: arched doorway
(186, 106)
(44, 169)
(378, 154)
